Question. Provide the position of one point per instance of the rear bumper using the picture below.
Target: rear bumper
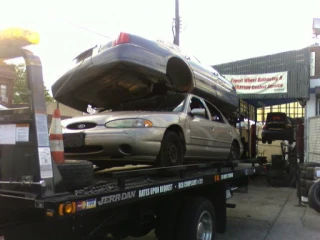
(286, 134)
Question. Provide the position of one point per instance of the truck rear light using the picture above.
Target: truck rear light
(122, 38)
(67, 208)
(49, 213)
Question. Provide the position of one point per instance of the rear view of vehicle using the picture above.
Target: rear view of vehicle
(278, 127)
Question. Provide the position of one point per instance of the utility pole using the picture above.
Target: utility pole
(177, 25)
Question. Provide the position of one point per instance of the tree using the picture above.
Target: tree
(20, 89)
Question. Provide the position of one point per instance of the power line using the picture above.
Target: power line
(63, 20)
(89, 30)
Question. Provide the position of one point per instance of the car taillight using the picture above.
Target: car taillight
(122, 38)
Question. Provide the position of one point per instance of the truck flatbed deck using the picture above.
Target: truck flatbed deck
(124, 186)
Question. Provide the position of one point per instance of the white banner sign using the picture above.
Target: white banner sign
(260, 83)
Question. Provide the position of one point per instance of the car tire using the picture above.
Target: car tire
(195, 212)
(171, 151)
(234, 152)
(263, 140)
(269, 141)
(76, 174)
(314, 196)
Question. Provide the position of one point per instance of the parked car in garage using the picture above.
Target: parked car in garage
(163, 130)
(278, 127)
(132, 67)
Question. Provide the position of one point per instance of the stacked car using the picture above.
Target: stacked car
(155, 105)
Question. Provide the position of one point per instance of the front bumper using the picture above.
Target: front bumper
(112, 143)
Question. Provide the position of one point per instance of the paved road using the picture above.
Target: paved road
(267, 213)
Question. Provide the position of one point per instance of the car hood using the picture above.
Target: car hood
(158, 118)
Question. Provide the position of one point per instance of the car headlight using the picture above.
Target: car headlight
(129, 123)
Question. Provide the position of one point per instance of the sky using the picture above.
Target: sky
(213, 31)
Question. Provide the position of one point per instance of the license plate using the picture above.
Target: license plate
(73, 140)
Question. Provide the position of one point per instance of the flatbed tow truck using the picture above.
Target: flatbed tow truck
(181, 202)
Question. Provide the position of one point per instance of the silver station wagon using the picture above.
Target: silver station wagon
(164, 130)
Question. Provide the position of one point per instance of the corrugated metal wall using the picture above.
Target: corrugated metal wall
(297, 63)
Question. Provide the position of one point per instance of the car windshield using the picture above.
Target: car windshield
(171, 102)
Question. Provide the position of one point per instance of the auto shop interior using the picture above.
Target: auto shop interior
(278, 83)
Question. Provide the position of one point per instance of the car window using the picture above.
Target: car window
(214, 112)
(197, 103)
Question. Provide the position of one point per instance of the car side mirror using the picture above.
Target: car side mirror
(198, 112)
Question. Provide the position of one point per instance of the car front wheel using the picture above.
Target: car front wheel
(171, 151)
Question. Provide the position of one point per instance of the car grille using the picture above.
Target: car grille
(81, 125)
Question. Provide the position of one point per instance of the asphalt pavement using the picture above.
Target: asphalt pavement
(267, 213)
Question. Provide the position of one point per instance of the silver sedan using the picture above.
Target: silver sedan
(164, 130)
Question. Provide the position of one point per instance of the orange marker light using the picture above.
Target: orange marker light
(68, 208)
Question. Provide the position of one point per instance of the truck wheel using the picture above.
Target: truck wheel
(171, 151)
(314, 196)
(76, 174)
(197, 220)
